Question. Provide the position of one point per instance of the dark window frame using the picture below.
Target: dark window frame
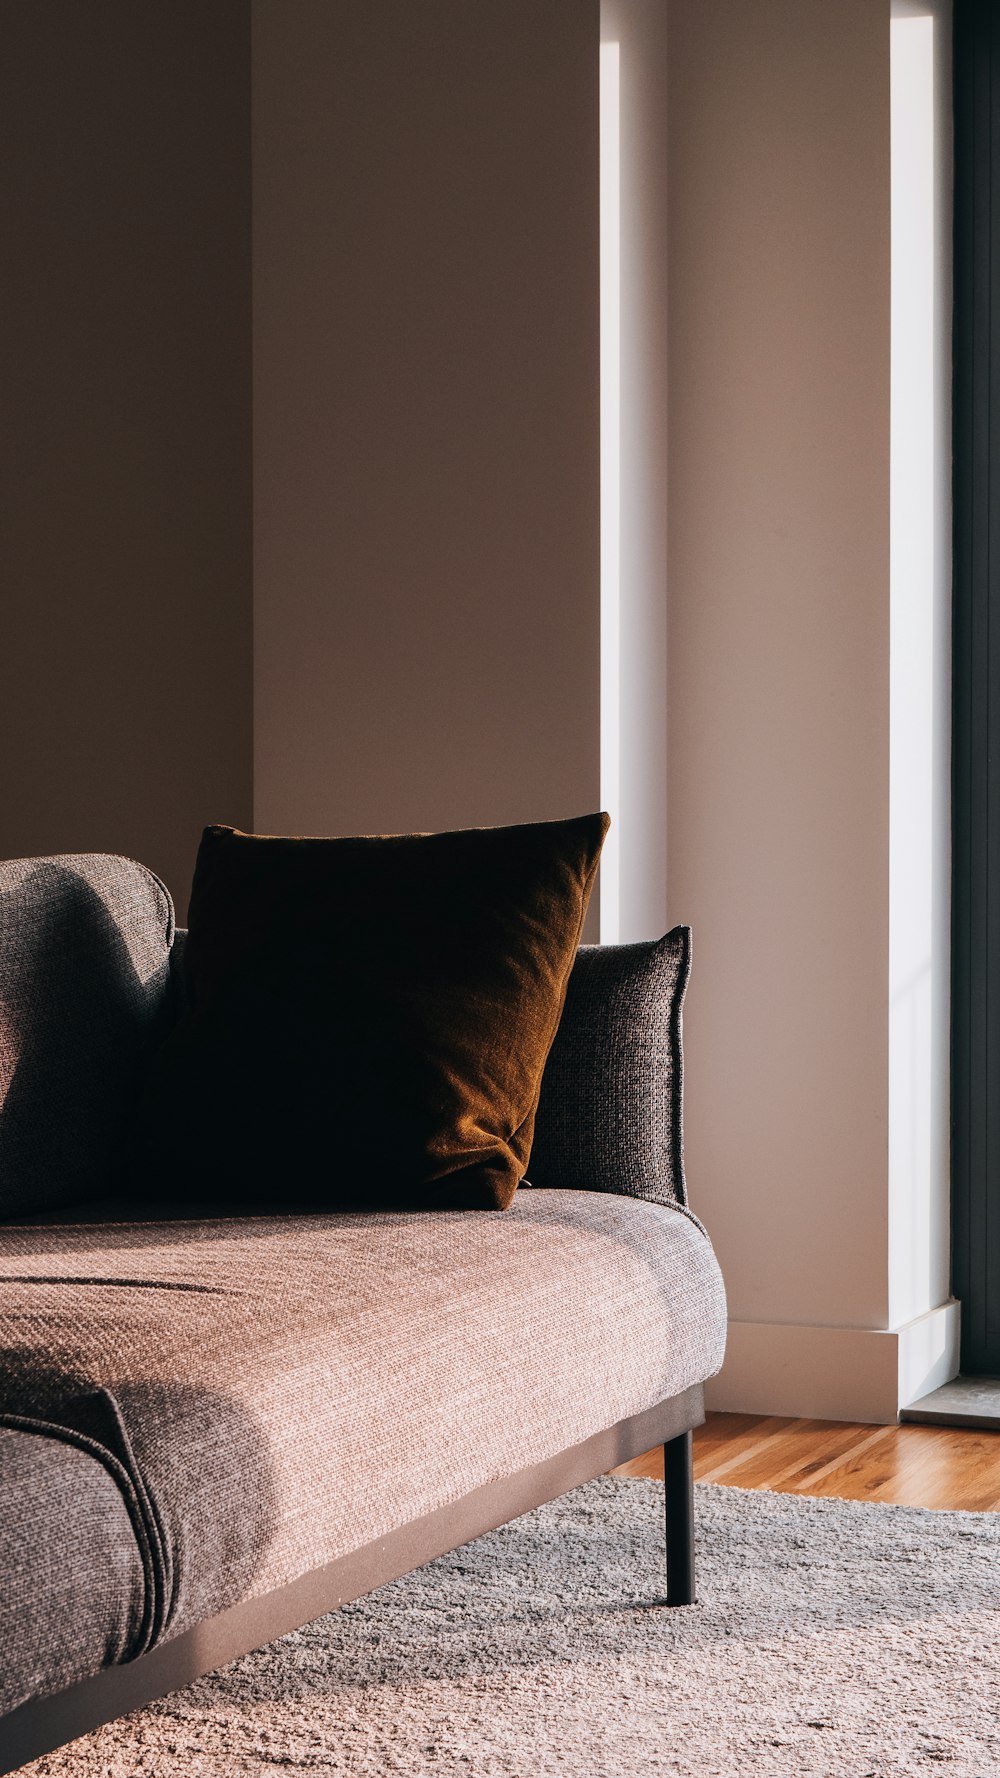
(976, 687)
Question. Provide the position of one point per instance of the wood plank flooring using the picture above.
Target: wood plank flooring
(941, 1466)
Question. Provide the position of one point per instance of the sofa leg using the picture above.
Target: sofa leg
(678, 1476)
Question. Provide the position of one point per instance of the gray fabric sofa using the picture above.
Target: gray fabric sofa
(214, 1427)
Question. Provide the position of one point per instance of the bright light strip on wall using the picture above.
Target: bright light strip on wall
(610, 485)
(918, 595)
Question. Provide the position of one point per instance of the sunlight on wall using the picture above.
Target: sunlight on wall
(610, 488)
(920, 589)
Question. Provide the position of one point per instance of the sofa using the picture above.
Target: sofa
(219, 1422)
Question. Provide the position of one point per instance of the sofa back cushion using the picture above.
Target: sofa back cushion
(609, 1112)
(84, 979)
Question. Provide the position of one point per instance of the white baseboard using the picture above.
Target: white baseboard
(835, 1373)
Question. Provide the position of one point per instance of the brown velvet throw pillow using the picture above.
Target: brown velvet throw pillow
(368, 1019)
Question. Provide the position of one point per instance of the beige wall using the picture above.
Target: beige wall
(125, 549)
(426, 397)
(778, 641)
(426, 528)
(425, 310)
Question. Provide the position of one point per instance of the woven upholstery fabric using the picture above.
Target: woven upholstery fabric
(609, 1113)
(84, 965)
(284, 1389)
(71, 1583)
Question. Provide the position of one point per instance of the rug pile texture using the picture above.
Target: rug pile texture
(831, 1640)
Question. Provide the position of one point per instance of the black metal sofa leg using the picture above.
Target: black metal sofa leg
(678, 1476)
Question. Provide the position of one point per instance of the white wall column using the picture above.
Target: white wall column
(808, 684)
(778, 793)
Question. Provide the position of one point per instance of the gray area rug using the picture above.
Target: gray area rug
(831, 1639)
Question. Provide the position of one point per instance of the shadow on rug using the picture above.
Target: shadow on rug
(831, 1640)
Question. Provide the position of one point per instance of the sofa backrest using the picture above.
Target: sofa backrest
(84, 985)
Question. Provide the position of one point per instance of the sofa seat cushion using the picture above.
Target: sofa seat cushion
(283, 1390)
(73, 1593)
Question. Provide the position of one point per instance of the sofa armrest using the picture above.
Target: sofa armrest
(610, 1115)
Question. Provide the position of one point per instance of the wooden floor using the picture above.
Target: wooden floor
(941, 1466)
